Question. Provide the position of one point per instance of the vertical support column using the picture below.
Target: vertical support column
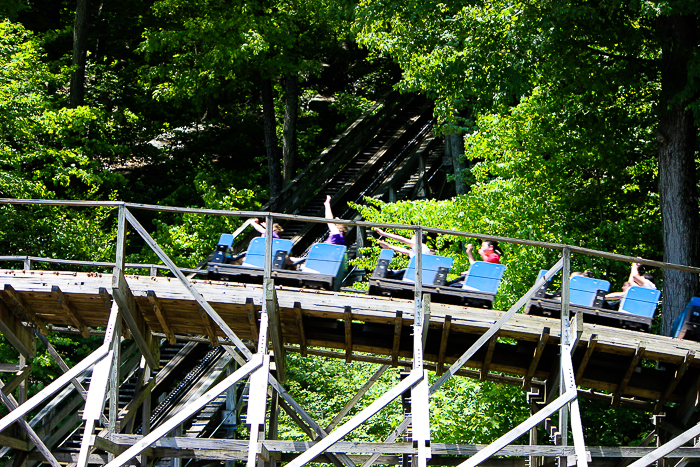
(112, 428)
(115, 343)
(146, 409)
(27, 263)
(564, 343)
(257, 392)
(22, 397)
(273, 426)
(177, 461)
(420, 413)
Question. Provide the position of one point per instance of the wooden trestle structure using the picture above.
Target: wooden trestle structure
(558, 361)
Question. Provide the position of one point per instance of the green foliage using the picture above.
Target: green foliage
(462, 411)
(189, 238)
(46, 152)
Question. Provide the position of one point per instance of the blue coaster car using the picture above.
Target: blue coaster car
(252, 262)
(687, 324)
(587, 296)
(324, 267)
(478, 290)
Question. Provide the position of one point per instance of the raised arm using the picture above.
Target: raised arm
(398, 238)
(637, 279)
(398, 249)
(329, 215)
(256, 225)
(470, 248)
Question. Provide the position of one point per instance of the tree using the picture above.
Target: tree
(45, 153)
(80, 29)
(244, 49)
(487, 57)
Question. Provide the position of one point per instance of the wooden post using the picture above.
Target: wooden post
(146, 407)
(565, 341)
(114, 383)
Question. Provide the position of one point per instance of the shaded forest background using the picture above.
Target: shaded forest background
(578, 123)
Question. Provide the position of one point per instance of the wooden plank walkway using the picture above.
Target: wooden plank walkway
(607, 359)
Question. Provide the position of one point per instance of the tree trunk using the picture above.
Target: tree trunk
(456, 141)
(80, 28)
(289, 132)
(271, 147)
(676, 135)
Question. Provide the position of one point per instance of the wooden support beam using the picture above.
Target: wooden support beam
(299, 318)
(420, 435)
(52, 388)
(252, 319)
(64, 368)
(690, 403)
(273, 311)
(301, 414)
(206, 307)
(667, 448)
(537, 355)
(411, 380)
(398, 325)
(11, 405)
(592, 342)
(425, 303)
(160, 314)
(682, 368)
(487, 358)
(634, 362)
(348, 334)
(70, 311)
(520, 430)
(17, 379)
(496, 326)
(14, 443)
(22, 307)
(8, 367)
(306, 429)
(184, 414)
(134, 319)
(94, 406)
(106, 297)
(443, 344)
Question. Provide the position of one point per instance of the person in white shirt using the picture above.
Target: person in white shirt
(635, 279)
(399, 273)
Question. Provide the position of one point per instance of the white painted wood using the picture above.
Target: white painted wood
(568, 374)
(665, 449)
(190, 287)
(305, 416)
(564, 342)
(86, 443)
(257, 407)
(519, 430)
(420, 413)
(413, 378)
(94, 405)
(495, 328)
(52, 388)
(186, 413)
(11, 404)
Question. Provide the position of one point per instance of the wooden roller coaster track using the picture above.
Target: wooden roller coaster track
(558, 361)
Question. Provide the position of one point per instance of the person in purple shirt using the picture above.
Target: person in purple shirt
(337, 232)
(261, 228)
